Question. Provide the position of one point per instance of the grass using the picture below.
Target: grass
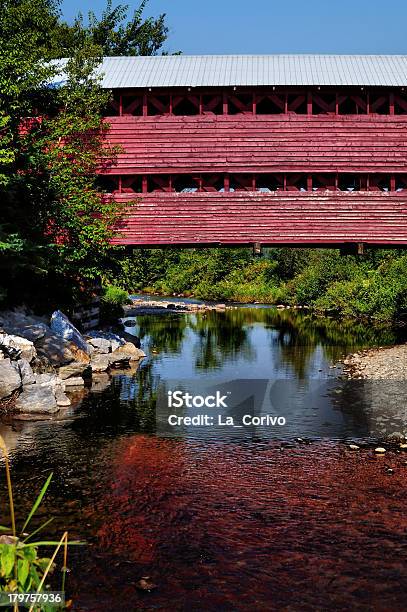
(22, 569)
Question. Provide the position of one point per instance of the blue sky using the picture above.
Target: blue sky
(269, 26)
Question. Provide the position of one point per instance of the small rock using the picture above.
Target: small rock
(389, 470)
(100, 363)
(380, 450)
(37, 400)
(354, 446)
(26, 372)
(130, 349)
(119, 360)
(73, 370)
(145, 584)
(101, 345)
(75, 381)
(81, 356)
(62, 399)
(403, 446)
(10, 379)
(130, 323)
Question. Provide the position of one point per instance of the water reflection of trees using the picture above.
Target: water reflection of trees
(165, 332)
(221, 335)
(226, 335)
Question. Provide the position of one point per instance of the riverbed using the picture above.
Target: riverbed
(265, 520)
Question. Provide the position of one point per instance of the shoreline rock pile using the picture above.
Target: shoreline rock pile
(40, 363)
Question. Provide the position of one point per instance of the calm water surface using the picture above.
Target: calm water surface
(253, 523)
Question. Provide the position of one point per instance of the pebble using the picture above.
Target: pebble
(380, 450)
(354, 446)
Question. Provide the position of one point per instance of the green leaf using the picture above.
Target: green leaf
(23, 568)
(5, 528)
(37, 502)
(7, 560)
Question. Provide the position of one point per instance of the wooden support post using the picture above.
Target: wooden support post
(120, 184)
(393, 183)
(200, 104)
(226, 182)
(309, 103)
(391, 103)
(120, 105)
(254, 104)
(257, 249)
(145, 106)
(309, 182)
(144, 184)
(225, 104)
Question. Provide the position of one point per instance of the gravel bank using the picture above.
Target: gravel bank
(378, 364)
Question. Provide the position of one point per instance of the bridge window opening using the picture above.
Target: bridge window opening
(158, 105)
(347, 106)
(323, 182)
(185, 184)
(213, 182)
(380, 183)
(159, 183)
(132, 105)
(185, 106)
(270, 106)
(241, 182)
(400, 104)
(297, 103)
(212, 104)
(401, 182)
(348, 182)
(266, 183)
(107, 184)
(295, 182)
(132, 184)
(112, 108)
(380, 104)
(240, 103)
(323, 103)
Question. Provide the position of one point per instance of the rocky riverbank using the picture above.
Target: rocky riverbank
(378, 364)
(43, 362)
(140, 306)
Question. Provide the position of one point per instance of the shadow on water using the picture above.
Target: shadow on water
(223, 524)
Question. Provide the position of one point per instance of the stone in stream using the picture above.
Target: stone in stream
(75, 381)
(26, 372)
(10, 379)
(130, 349)
(55, 349)
(100, 363)
(380, 450)
(101, 345)
(62, 326)
(24, 348)
(73, 370)
(62, 399)
(36, 399)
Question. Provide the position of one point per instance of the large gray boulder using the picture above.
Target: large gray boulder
(55, 349)
(130, 349)
(10, 379)
(62, 326)
(36, 399)
(24, 348)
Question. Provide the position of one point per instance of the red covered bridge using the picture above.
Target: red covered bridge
(270, 150)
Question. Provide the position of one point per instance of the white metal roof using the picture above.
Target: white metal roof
(253, 70)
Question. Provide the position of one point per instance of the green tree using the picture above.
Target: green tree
(115, 33)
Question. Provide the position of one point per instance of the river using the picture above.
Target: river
(282, 520)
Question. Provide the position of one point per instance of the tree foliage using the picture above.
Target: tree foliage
(114, 32)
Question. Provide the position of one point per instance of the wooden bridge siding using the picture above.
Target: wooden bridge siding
(272, 143)
(239, 218)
